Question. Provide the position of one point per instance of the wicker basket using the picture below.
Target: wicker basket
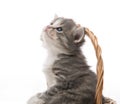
(99, 69)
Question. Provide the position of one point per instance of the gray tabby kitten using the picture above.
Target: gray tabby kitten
(68, 76)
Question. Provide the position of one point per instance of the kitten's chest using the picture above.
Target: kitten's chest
(50, 77)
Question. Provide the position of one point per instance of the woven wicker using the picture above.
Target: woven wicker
(99, 69)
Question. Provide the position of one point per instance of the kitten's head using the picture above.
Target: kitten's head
(63, 35)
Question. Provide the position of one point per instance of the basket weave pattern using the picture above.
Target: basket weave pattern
(99, 69)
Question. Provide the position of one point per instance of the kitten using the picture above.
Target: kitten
(69, 79)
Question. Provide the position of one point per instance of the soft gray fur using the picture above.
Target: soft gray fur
(71, 81)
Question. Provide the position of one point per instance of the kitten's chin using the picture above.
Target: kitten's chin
(50, 45)
(45, 36)
(46, 40)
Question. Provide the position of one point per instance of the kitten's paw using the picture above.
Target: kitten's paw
(35, 100)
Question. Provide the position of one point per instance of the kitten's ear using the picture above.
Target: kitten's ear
(79, 34)
(55, 16)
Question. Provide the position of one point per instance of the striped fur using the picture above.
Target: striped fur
(70, 81)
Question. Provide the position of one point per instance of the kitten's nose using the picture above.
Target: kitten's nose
(47, 27)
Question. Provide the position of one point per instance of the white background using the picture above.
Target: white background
(21, 53)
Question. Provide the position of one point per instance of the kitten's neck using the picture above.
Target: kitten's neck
(55, 51)
(52, 56)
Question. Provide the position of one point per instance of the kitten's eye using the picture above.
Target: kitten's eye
(59, 29)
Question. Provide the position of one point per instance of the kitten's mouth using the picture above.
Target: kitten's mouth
(48, 31)
(47, 34)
